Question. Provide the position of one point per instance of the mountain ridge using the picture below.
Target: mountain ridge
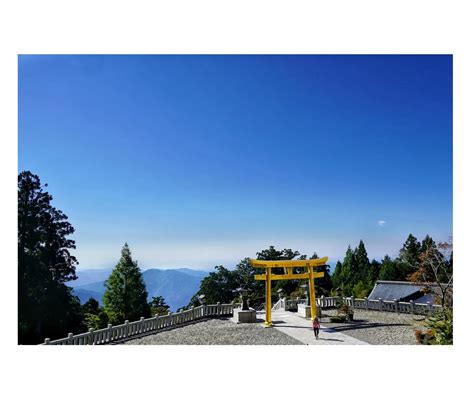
(177, 286)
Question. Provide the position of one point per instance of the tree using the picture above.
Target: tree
(409, 256)
(390, 270)
(125, 297)
(323, 286)
(218, 286)
(245, 275)
(435, 270)
(93, 315)
(46, 306)
(158, 306)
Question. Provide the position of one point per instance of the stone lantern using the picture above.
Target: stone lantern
(244, 314)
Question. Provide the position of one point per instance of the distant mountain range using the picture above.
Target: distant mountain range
(177, 286)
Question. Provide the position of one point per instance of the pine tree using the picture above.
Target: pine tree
(347, 270)
(336, 276)
(46, 306)
(125, 297)
(409, 257)
(322, 285)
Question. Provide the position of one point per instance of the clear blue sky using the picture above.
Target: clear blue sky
(203, 160)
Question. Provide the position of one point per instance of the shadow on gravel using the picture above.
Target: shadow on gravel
(330, 339)
(360, 326)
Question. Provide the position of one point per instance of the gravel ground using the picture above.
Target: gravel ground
(378, 328)
(217, 332)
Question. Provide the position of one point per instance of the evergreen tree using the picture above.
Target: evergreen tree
(323, 286)
(389, 270)
(218, 286)
(346, 278)
(336, 276)
(410, 253)
(46, 306)
(158, 306)
(245, 275)
(125, 297)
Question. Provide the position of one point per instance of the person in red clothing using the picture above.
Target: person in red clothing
(316, 327)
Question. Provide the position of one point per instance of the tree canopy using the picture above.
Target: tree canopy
(46, 306)
(125, 297)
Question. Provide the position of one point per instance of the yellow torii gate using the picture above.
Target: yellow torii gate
(289, 275)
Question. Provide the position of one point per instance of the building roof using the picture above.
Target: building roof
(390, 290)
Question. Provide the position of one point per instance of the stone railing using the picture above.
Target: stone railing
(391, 306)
(362, 303)
(143, 326)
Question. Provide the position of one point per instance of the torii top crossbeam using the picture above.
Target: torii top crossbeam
(289, 275)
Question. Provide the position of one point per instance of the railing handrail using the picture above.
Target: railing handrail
(131, 329)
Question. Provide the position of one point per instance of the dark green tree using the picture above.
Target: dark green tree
(337, 277)
(158, 306)
(322, 285)
(390, 270)
(346, 278)
(91, 306)
(125, 297)
(287, 286)
(409, 256)
(245, 275)
(218, 286)
(46, 306)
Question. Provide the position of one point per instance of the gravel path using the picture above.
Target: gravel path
(378, 328)
(217, 332)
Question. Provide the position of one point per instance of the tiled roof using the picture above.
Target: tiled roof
(390, 290)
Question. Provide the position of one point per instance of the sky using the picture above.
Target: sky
(197, 161)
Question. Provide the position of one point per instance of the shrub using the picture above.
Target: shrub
(344, 309)
(439, 329)
(338, 319)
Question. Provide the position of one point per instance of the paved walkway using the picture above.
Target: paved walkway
(300, 328)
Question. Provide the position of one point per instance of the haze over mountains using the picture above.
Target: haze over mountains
(177, 286)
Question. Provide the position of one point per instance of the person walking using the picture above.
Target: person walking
(316, 327)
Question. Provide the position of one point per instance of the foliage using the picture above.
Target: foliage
(361, 290)
(439, 329)
(96, 320)
(218, 286)
(91, 306)
(344, 309)
(158, 306)
(93, 315)
(434, 270)
(245, 275)
(125, 297)
(355, 275)
(46, 306)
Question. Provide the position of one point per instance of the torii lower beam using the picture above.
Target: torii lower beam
(288, 265)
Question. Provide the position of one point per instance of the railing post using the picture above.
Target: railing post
(352, 302)
(193, 313)
(142, 324)
(47, 341)
(412, 307)
(430, 307)
(395, 303)
(366, 302)
(109, 332)
(218, 308)
(169, 319)
(91, 336)
(380, 304)
(69, 338)
(126, 328)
